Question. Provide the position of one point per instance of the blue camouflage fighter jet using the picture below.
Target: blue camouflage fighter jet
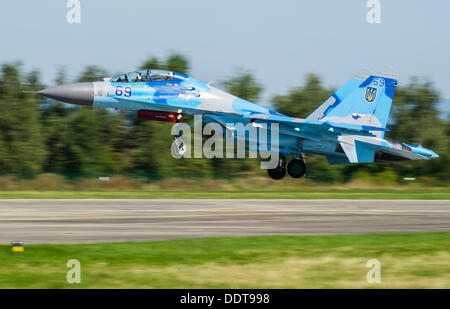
(349, 127)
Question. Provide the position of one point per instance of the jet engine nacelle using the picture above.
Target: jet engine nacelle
(144, 114)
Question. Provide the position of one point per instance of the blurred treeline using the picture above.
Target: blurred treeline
(38, 135)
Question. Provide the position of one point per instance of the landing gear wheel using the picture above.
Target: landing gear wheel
(296, 168)
(278, 172)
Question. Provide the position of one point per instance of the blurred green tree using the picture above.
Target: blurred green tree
(415, 120)
(80, 140)
(61, 75)
(21, 149)
(92, 73)
(302, 101)
(243, 85)
(175, 62)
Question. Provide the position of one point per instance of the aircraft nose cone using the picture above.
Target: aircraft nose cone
(434, 155)
(78, 93)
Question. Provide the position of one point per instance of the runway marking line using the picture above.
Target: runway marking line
(199, 215)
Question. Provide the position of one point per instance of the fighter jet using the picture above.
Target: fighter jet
(349, 127)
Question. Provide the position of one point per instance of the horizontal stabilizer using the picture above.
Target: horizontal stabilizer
(337, 160)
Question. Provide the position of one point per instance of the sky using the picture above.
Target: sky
(279, 41)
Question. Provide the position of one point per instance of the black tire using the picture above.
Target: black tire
(277, 173)
(296, 168)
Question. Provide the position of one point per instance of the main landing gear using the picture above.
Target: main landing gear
(279, 171)
(296, 168)
(178, 146)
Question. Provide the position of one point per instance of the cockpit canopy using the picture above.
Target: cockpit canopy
(144, 76)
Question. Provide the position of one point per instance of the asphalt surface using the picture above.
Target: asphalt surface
(87, 221)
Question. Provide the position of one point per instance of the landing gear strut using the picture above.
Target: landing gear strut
(178, 146)
(279, 171)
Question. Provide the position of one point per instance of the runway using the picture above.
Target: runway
(88, 221)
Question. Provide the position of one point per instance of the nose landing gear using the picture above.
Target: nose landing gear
(178, 146)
